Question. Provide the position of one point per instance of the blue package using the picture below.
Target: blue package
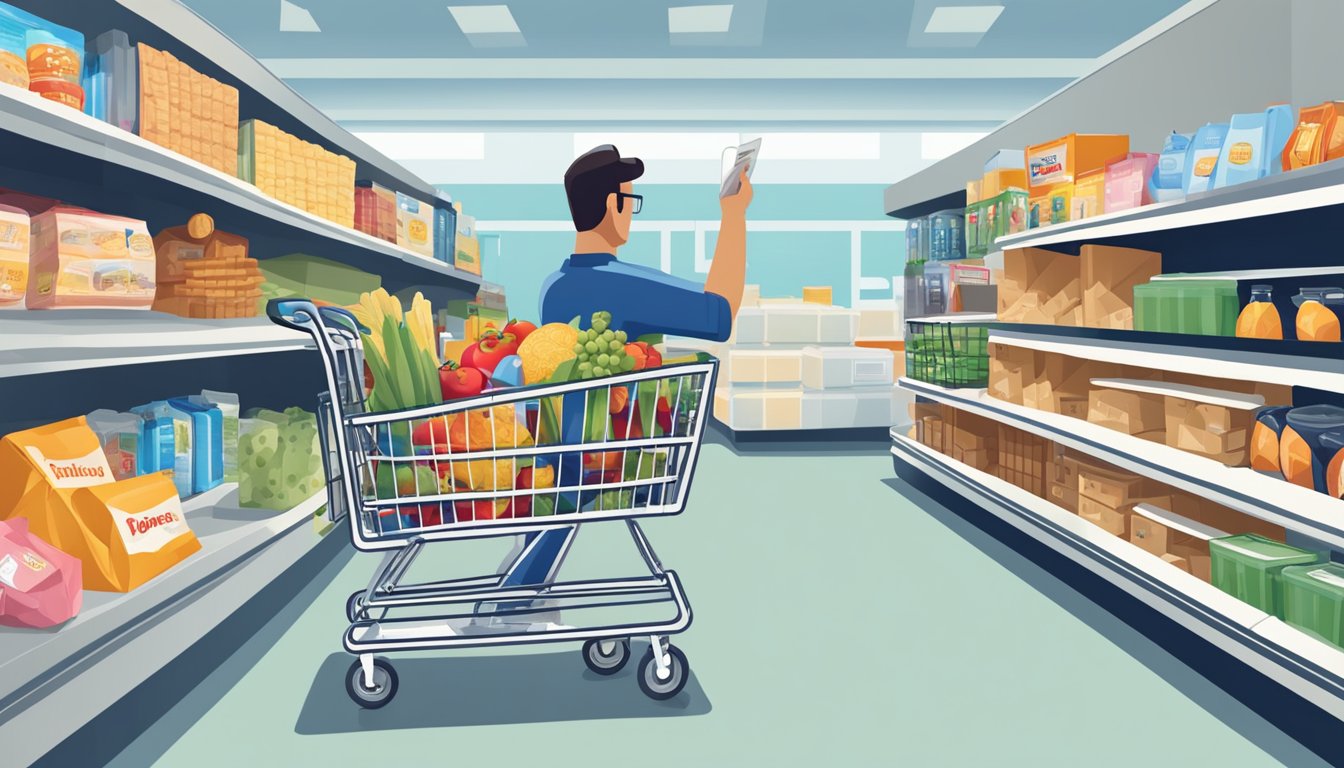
(167, 443)
(445, 229)
(207, 441)
(1167, 181)
(1201, 161)
(111, 82)
(1254, 146)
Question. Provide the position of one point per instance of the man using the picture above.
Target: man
(644, 302)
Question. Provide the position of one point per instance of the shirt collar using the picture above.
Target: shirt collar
(591, 259)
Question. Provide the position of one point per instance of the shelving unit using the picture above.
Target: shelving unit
(1309, 668)
(46, 692)
(54, 682)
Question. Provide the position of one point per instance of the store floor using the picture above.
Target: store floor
(841, 618)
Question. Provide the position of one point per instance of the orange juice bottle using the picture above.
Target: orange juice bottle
(1316, 318)
(1260, 319)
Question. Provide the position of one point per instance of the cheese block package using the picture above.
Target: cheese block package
(90, 260)
(123, 533)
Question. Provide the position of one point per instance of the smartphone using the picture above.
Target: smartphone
(744, 155)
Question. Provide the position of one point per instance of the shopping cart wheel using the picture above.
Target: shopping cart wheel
(660, 688)
(354, 606)
(384, 684)
(606, 657)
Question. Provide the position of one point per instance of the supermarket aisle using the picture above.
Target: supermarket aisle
(836, 622)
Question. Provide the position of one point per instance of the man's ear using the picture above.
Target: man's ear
(613, 203)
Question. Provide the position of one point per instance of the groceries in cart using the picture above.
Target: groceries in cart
(419, 458)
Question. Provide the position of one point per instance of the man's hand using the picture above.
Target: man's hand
(736, 204)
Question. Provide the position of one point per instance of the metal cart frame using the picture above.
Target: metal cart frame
(399, 477)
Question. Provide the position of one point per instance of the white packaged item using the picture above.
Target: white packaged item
(765, 409)
(843, 367)
(796, 323)
(765, 366)
(880, 323)
(874, 407)
(228, 405)
(751, 296)
(15, 227)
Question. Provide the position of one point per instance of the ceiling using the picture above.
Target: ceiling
(573, 64)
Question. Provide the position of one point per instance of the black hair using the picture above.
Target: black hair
(592, 178)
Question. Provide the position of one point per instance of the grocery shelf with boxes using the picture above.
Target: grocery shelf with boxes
(1159, 363)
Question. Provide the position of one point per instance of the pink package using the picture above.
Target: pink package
(1127, 182)
(40, 586)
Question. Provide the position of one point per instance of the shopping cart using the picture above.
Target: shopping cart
(508, 463)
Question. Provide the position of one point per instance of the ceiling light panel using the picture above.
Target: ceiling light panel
(427, 146)
(819, 146)
(963, 19)
(699, 19)
(660, 146)
(484, 19)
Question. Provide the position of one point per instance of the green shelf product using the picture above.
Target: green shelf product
(947, 354)
(1200, 307)
(1249, 568)
(1313, 600)
(988, 220)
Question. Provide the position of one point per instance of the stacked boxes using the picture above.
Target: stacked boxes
(187, 112)
(376, 211)
(1022, 459)
(205, 273)
(296, 172)
(794, 365)
(1107, 496)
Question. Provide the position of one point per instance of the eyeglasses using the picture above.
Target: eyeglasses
(621, 197)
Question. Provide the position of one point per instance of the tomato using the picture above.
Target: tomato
(520, 329)
(457, 382)
(480, 509)
(663, 416)
(486, 353)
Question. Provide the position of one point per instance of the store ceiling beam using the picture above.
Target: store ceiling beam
(677, 69)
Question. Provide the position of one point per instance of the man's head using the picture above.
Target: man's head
(594, 185)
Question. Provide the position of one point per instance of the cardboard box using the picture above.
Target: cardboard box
(1133, 413)
(980, 459)
(1173, 534)
(1011, 370)
(1197, 560)
(1113, 521)
(1040, 287)
(1178, 561)
(1063, 495)
(1112, 487)
(1108, 277)
(1065, 159)
(1216, 431)
(1073, 407)
(1089, 195)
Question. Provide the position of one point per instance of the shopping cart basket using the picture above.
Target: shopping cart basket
(506, 463)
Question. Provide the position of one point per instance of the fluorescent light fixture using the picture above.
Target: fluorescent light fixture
(963, 19)
(819, 146)
(296, 19)
(936, 146)
(660, 146)
(427, 146)
(484, 19)
(699, 19)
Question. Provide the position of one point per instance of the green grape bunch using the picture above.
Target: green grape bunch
(600, 351)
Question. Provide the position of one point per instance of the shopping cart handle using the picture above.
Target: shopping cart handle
(343, 315)
(295, 314)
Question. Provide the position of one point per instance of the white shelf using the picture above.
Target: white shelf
(1309, 188)
(1287, 370)
(53, 681)
(50, 341)
(1301, 663)
(1273, 500)
(28, 115)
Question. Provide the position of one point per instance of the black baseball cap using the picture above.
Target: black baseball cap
(596, 174)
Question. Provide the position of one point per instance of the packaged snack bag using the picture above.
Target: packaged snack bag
(124, 533)
(133, 530)
(39, 584)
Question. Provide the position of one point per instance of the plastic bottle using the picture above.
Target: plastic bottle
(1259, 319)
(1316, 317)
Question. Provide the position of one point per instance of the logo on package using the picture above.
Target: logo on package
(138, 526)
(77, 472)
(33, 562)
(1240, 153)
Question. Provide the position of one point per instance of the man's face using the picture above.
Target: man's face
(620, 219)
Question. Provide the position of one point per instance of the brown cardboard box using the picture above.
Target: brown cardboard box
(980, 459)
(1130, 412)
(1178, 561)
(1011, 369)
(1041, 287)
(1063, 495)
(1159, 538)
(1073, 407)
(1109, 519)
(1223, 518)
(1108, 277)
(1200, 564)
(1112, 487)
(1218, 432)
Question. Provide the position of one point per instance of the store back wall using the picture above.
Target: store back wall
(824, 234)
